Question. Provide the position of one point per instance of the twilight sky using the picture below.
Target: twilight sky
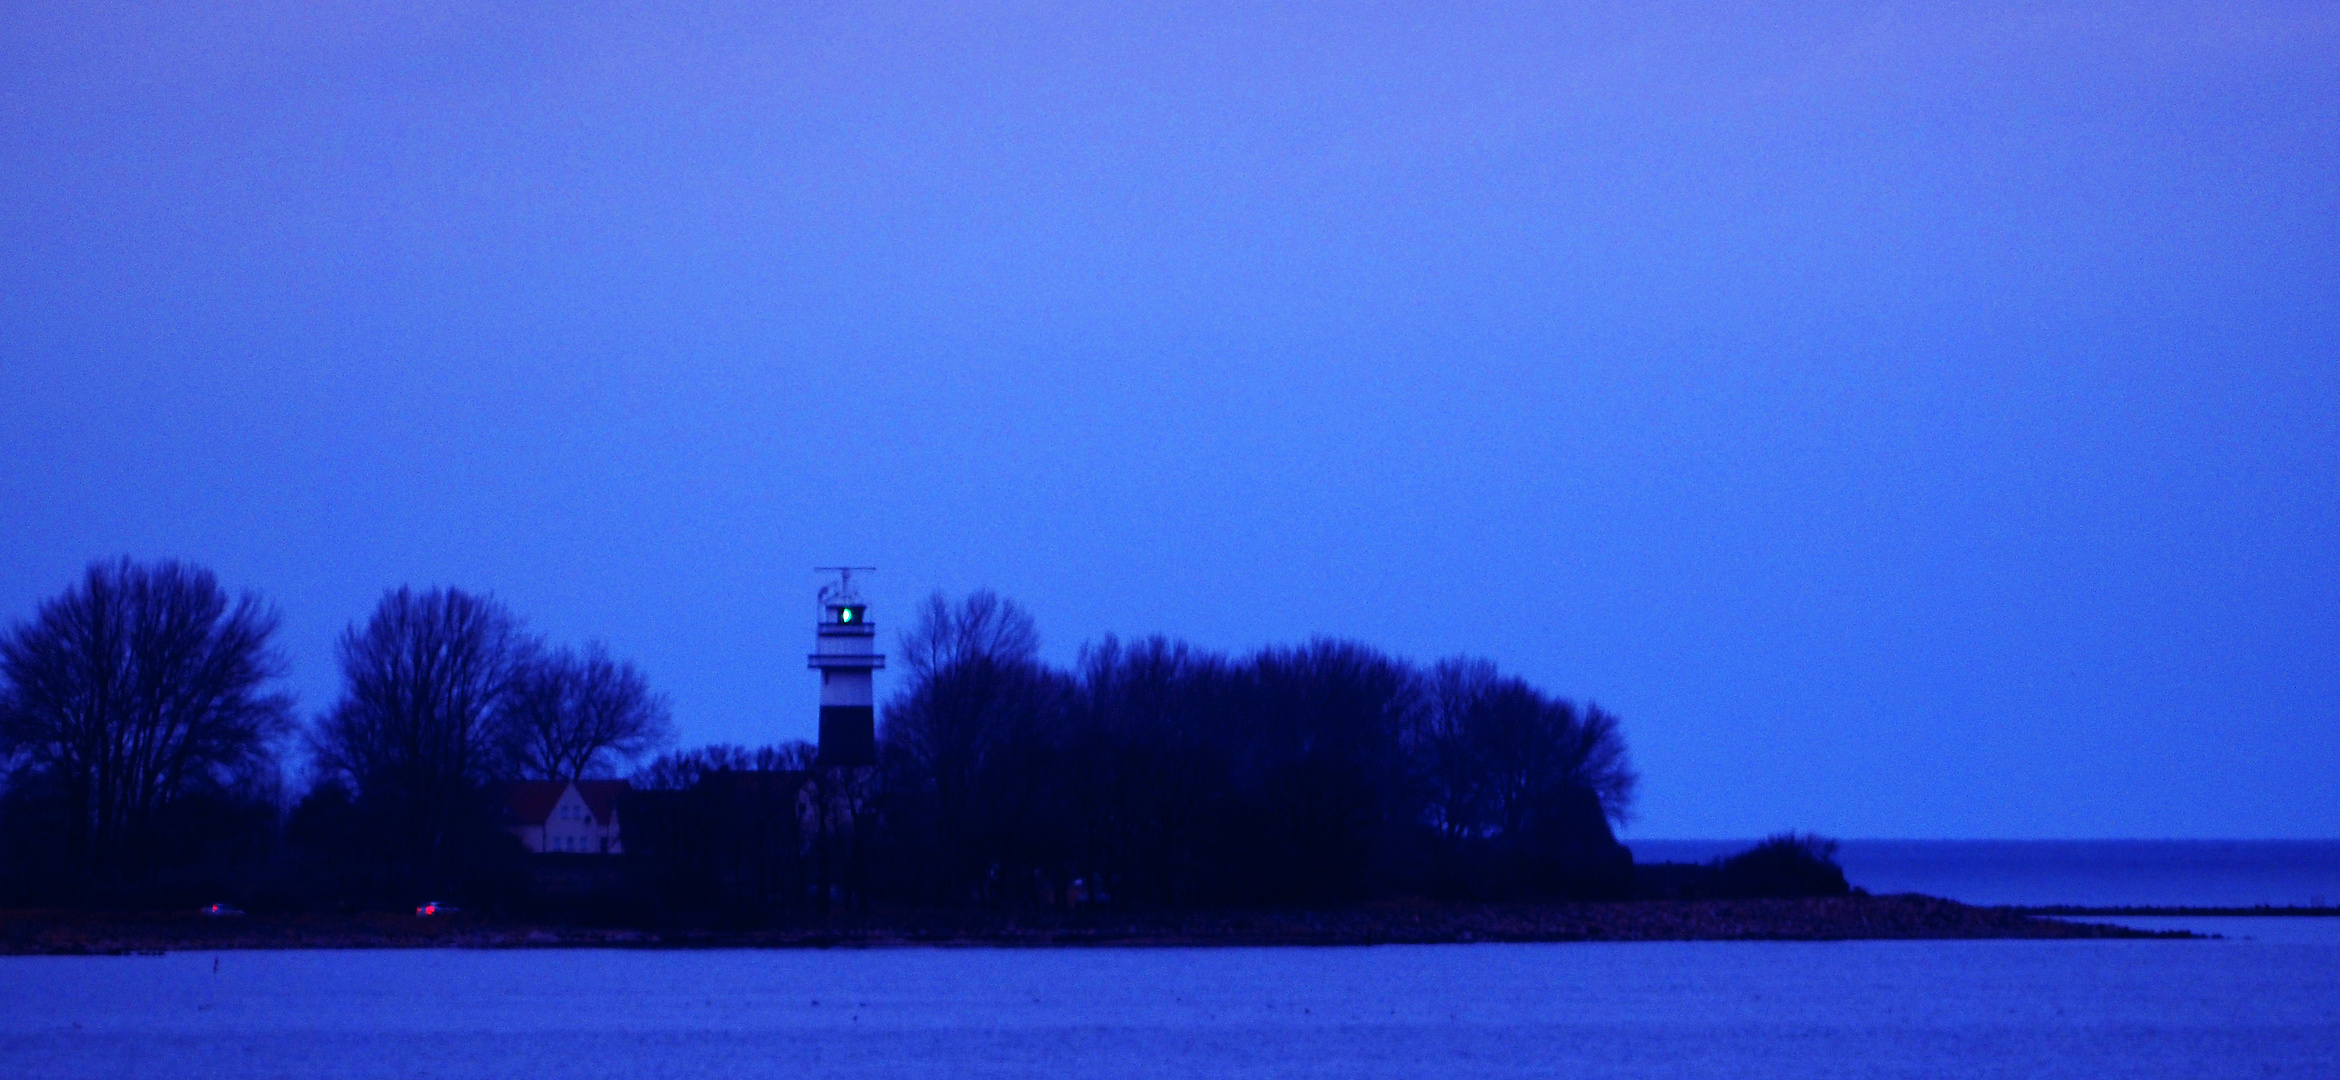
(1915, 420)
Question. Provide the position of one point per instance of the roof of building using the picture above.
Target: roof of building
(601, 797)
(531, 802)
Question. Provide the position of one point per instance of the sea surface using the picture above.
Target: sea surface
(2092, 873)
(2227, 1008)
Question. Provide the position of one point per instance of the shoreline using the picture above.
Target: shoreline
(1859, 918)
(2179, 911)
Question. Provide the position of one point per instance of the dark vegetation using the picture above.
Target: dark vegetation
(145, 750)
(146, 754)
(138, 728)
(1156, 774)
(1788, 865)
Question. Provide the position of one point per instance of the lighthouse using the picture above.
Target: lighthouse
(845, 652)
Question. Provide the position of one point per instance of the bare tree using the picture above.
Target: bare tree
(580, 714)
(1495, 752)
(427, 682)
(969, 743)
(984, 627)
(1444, 746)
(1147, 768)
(1319, 764)
(131, 689)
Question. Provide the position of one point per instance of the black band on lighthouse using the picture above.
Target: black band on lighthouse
(848, 735)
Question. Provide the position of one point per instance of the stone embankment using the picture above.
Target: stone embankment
(1387, 923)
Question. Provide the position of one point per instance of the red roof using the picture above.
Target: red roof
(601, 797)
(531, 802)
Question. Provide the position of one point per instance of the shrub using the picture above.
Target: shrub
(1785, 865)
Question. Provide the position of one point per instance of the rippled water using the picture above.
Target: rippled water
(1869, 1009)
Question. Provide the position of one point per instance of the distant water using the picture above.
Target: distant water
(2097, 873)
(1660, 1011)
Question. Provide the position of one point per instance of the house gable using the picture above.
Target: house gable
(565, 817)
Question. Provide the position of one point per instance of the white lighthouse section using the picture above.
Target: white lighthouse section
(845, 653)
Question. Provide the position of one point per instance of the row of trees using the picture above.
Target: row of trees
(1158, 773)
(144, 742)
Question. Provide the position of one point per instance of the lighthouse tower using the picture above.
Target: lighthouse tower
(845, 652)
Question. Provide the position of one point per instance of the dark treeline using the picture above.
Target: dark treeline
(742, 837)
(147, 752)
(1155, 773)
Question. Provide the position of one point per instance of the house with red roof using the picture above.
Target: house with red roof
(565, 817)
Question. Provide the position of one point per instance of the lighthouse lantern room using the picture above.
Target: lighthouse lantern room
(845, 653)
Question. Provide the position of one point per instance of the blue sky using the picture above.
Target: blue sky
(1914, 420)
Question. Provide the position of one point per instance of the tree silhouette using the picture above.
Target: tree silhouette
(968, 750)
(132, 692)
(575, 714)
(428, 682)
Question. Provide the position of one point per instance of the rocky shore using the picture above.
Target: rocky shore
(1834, 919)
(2255, 910)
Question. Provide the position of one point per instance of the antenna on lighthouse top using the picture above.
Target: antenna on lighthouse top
(841, 591)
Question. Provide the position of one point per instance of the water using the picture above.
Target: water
(2093, 873)
(2160, 1009)
(2262, 1001)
